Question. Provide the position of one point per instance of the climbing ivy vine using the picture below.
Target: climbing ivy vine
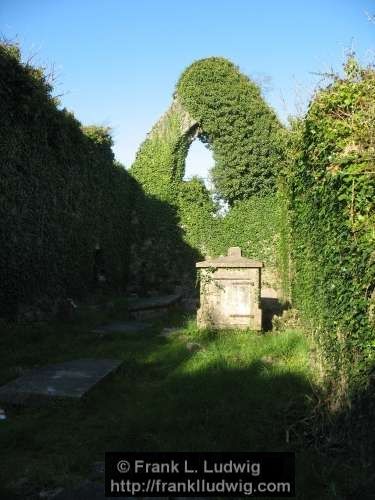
(303, 200)
(61, 195)
(160, 161)
(244, 133)
(215, 102)
(332, 212)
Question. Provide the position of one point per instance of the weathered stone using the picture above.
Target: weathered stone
(153, 302)
(149, 314)
(122, 327)
(169, 332)
(193, 347)
(152, 307)
(71, 379)
(49, 494)
(230, 292)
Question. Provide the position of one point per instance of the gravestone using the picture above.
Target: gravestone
(72, 379)
(230, 292)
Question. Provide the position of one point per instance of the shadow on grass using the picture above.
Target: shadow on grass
(242, 392)
(163, 398)
(346, 438)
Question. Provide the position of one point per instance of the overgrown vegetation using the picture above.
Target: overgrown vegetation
(312, 218)
(160, 162)
(215, 102)
(61, 194)
(332, 201)
(242, 130)
(253, 224)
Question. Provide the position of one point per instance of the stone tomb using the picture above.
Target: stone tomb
(71, 379)
(230, 292)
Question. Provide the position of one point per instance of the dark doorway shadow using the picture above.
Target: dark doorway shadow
(271, 307)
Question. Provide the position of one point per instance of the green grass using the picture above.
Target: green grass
(243, 391)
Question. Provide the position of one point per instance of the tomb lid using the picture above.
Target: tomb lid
(233, 259)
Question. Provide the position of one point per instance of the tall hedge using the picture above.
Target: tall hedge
(61, 194)
(332, 193)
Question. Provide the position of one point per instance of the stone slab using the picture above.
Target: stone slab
(150, 314)
(71, 379)
(233, 259)
(153, 302)
(169, 332)
(122, 327)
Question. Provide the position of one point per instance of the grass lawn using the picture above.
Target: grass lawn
(242, 391)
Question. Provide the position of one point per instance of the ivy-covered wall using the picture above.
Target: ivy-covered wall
(160, 162)
(332, 202)
(161, 258)
(224, 109)
(254, 225)
(243, 132)
(61, 195)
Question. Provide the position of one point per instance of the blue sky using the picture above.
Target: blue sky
(117, 61)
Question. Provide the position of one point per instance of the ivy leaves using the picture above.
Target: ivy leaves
(332, 186)
(243, 131)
